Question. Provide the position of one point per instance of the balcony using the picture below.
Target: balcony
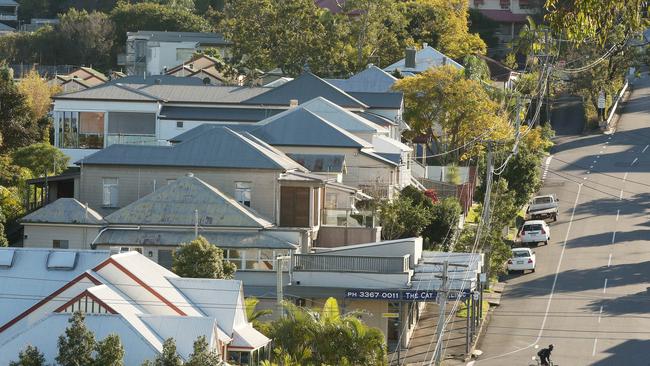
(132, 139)
(347, 218)
(341, 227)
(8, 16)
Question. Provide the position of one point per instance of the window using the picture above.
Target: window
(253, 259)
(110, 192)
(243, 193)
(60, 244)
(184, 54)
(81, 130)
(179, 124)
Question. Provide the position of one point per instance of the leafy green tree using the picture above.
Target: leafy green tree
(476, 68)
(77, 345)
(443, 24)
(402, 218)
(41, 159)
(109, 351)
(200, 259)
(443, 223)
(327, 337)
(182, 4)
(30, 356)
(3, 236)
(169, 356)
(485, 27)
(254, 316)
(91, 33)
(17, 126)
(203, 355)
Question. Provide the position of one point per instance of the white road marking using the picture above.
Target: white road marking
(617, 213)
(609, 263)
(645, 148)
(585, 178)
(471, 363)
(550, 296)
(605, 287)
(634, 161)
(547, 163)
(620, 197)
(588, 172)
(613, 237)
(593, 353)
(625, 176)
(595, 161)
(600, 152)
(600, 313)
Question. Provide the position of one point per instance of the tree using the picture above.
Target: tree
(443, 223)
(182, 4)
(17, 126)
(202, 354)
(30, 356)
(92, 35)
(109, 351)
(254, 316)
(41, 159)
(327, 337)
(443, 24)
(402, 218)
(485, 27)
(169, 356)
(454, 111)
(476, 68)
(200, 259)
(77, 345)
(3, 236)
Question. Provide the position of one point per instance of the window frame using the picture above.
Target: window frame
(240, 192)
(56, 244)
(112, 201)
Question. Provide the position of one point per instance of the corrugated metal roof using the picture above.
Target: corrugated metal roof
(300, 127)
(138, 81)
(203, 38)
(375, 118)
(6, 28)
(203, 93)
(216, 114)
(320, 163)
(65, 211)
(425, 59)
(117, 91)
(218, 147)
(390, 100)
(225, 239)
(339, 116)
(371, 79)
(307, 86)
(176, 203)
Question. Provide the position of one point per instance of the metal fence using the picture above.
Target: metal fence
(339, 263)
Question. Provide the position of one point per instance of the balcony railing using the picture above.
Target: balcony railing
(8, 16)
(339, 263)
(347, 218)
(132, 139)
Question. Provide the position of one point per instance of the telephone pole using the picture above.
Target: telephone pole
(443, 294)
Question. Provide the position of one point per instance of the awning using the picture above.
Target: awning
(247, 338)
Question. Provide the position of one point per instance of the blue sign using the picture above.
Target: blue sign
(372, 294)
(419, 295)
(404, 295)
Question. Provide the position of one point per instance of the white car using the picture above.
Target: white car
(523, 259)
(534, 232)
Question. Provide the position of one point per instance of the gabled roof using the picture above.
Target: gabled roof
(218, 147)
(376, 118)
(425, 59)
(205, 127)
(339, 116)
(6, 28)
(117, 91)
(8, 3)
(94, 73)
(320, 163)
(307, 86)
(197, 61)
(388, 100)
(371, 79)
(64, 211)
(177, 204)
(300, 127)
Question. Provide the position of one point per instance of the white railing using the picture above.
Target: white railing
(612, 111)
(341, 263)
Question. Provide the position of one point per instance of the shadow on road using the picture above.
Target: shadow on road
(631, 352)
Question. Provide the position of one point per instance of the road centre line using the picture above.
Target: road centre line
(550, 296)
(593, 353)
(634, 161)
(625, 176)
(613, 237)
(617, 213)
(620, 197)
(609, 263)
(645, 148)
(605, 287)
(600, 313)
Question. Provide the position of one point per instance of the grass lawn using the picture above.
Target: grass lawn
(462, 309)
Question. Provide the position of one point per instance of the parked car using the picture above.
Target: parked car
(534, 232)
(542, 207)
(523, 259)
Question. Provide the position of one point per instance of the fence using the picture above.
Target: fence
(340, 263)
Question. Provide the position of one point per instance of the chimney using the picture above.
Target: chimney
(425, 45)
(293, 103)
(409, 61)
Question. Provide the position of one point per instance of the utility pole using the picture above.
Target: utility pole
(443, 294)
(515, 149)
(196, 224)
(279, 289)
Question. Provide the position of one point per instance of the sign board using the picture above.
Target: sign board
(601, 100)
(390, 315)
(403, 295)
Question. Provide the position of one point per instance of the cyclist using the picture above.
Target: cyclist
(545, 355)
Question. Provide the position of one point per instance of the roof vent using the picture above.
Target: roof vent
(444, 61)
(65, 260)
(293, 103)
(189, 174)
(409, 61)
(370, 65)
(7, 258)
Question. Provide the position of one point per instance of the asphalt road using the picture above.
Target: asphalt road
(590, 294)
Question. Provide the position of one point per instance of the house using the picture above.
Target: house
(8, 10)
(126, 294)
(38, 23)
(5, 29)
(152, 110)
(418, 61)
(151, 52)
(501, 75)
(510, 15)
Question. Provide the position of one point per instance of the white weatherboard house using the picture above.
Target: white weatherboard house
(126, 294)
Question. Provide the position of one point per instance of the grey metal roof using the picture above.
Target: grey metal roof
(300, 127)
(216, 114)
(374, 155)
(200, 37)
(371, 79)
(307, 86)
(218, 147)
(117, 91)
(320, 163)
(227, 239)
(380, 120)
(64, 211)
(8, 3)
(6, 28)
(176, 203)
(203, 93)
(425, 59)
(391, 100)
(395, 158)
(339, 116)
(139, 81)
